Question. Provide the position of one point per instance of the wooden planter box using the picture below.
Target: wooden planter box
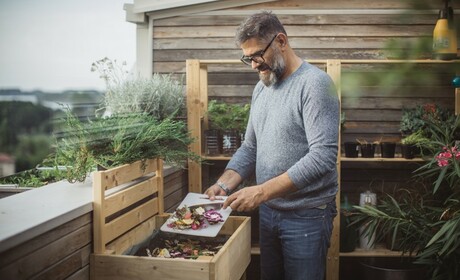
(141, 215)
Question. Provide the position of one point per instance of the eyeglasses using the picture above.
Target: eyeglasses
(258, 57)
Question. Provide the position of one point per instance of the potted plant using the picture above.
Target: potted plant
(367, 148)
(426, 218)
(138, 123)
(160, 96)
(415, 119)
(116, 140)
(411, 144)
(229, 120)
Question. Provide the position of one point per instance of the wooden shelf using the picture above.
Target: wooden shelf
(219, 157)
(378, 251)
(396, 159)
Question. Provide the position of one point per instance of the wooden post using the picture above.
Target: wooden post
(194, 121)
(457, 101)
(332, 264)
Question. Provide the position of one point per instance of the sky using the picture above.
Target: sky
(49, 45)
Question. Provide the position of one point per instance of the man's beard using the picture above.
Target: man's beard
(275, 72)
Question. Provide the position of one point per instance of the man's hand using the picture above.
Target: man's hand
(246, 199)
(214, 191)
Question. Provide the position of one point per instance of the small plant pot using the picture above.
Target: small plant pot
(351, 149)
(230, 141)
(408, 151)
(367, 150)
(388, 149)
(212, 142)
(348, 233)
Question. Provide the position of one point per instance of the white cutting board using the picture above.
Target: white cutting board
(200, 199)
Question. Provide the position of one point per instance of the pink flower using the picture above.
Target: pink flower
(449, 153)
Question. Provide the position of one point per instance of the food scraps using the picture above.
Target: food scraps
(193, 218)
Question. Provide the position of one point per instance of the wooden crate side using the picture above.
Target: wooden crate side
(234, 257)
(129, 220)
(121, 199)
(131, 267)
(136, 235)
(126, 173)
(127, 197)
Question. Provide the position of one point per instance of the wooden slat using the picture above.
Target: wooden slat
(134, 236)
(67, 266)
(286, 19)
(129, 220)
(457, 101)
(339, 4)
(119, 176)
(194, 105)
(127, 197)
(43, 240)
(126, 173)
(47, 256)
(129, 267)
(360, 30)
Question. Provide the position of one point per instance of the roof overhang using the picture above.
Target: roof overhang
(155, 9)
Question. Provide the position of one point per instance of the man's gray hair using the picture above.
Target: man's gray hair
(262, 26)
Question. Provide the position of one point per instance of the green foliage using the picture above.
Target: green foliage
(34, 178)
(117, 140)
(415, 119)
(31, 150)
(18, 118)
(226, 116)
(417, 138)
(160, 96)
(427, 220)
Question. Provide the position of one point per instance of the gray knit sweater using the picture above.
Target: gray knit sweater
(293, 127)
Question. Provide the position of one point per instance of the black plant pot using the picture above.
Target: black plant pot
(212, 142)
(348, 234)
(388, 149)
(408, 151)
(230, 142)
(351, 149)
(392, 268)
(367, 150)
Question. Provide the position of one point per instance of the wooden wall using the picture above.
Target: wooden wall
(63, 252)
(328, 29)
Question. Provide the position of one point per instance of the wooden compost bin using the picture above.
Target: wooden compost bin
(128, 208)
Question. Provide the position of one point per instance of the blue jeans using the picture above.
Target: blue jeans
(294, 244)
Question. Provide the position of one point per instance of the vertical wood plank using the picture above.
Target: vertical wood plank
(98, 217)
(332, 264)
(194, 121)
(457, 101)
(160, 186)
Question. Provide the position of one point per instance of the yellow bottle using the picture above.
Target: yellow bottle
(445, 35)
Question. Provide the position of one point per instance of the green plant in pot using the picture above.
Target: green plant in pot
(412, 143)
(426, 218)
(415, 119)
(229, 120)
(161, 96)
(139, 123)
(116, 140)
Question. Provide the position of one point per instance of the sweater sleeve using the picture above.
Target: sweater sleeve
(320, 112)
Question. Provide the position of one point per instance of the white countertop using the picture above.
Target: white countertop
(26, 215)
